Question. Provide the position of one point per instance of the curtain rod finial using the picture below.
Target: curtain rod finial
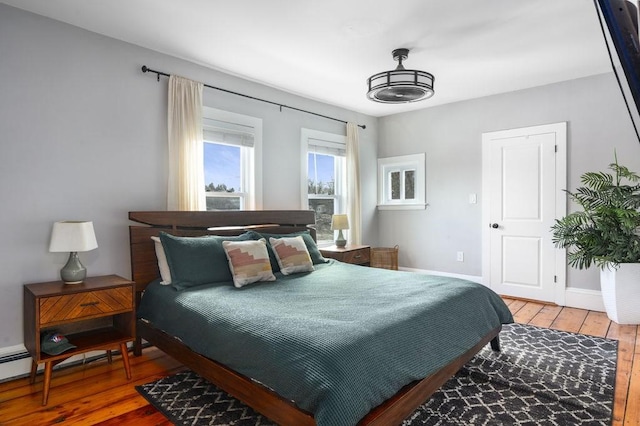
(144, 68)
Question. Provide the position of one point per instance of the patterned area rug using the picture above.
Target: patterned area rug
(541, 377)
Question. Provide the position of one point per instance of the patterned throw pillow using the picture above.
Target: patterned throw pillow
(248, 261)
(292, 255)
(312, 248)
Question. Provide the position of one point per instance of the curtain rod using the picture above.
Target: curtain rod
(146, 69)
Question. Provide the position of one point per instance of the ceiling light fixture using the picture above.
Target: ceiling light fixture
(400, 85)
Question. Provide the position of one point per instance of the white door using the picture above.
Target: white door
(524, 175)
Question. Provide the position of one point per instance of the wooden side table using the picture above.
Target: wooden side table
(351, 253)
(98, 314)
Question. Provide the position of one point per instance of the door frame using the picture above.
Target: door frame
(560, 264)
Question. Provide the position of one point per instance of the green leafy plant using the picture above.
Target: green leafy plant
(606, 231)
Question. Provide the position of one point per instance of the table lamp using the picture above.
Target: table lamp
(340, 222)
(73, 236)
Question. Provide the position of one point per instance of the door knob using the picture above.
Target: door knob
(495, 225)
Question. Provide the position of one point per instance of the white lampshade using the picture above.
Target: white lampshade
(72, 236)
(339, 221)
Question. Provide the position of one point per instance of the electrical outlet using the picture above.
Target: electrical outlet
(460, 256)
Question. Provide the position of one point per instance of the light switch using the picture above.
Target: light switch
(473, 198)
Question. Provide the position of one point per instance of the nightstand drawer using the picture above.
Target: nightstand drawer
(92, 304)
(353, 253)
(357, 257)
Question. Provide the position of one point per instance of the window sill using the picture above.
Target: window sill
(402, 206)
(325, 243)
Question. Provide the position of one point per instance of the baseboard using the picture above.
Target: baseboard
(473, 278)
(574, 297)
(584, 299)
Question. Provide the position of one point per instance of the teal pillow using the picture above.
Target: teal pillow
(198, 260)
(314, 252)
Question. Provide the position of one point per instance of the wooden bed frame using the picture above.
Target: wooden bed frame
(144, 269)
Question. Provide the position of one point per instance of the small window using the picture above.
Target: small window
(231, 152)
(401, 182)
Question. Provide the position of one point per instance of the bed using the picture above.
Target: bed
(311, 348)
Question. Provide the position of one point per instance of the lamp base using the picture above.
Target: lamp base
(73, 272)
(340, 241)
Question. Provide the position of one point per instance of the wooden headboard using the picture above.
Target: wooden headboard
(144, 266)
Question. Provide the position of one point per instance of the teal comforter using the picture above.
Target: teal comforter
(338, 341)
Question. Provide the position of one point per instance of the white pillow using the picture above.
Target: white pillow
(163, 265)
(292, 254)
(248, 261)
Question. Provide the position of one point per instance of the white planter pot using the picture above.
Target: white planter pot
(621, 292)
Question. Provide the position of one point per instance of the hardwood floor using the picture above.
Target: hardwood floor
(99, 394)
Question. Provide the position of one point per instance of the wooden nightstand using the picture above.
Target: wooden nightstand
(352, 253)
(98, 314)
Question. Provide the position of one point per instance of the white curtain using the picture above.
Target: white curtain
(186, 168)
(353, 185)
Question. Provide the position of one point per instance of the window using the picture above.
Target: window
(401, 182)
(231, 160)
(324, 188)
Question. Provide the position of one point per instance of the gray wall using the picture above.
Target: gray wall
(450, 135)
(83, 136)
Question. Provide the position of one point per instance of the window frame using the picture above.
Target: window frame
(330, 141)
(250, 158)
(402, 164)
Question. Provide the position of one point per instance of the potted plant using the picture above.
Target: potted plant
(606, 233)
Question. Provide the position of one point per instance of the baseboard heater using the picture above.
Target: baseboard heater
(25, 355)
(14, 357)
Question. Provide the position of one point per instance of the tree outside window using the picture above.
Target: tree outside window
(324, 188)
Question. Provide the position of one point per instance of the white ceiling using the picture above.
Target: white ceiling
(326, 49)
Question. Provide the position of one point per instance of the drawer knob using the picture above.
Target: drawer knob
(358, 256)
(84, 305)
